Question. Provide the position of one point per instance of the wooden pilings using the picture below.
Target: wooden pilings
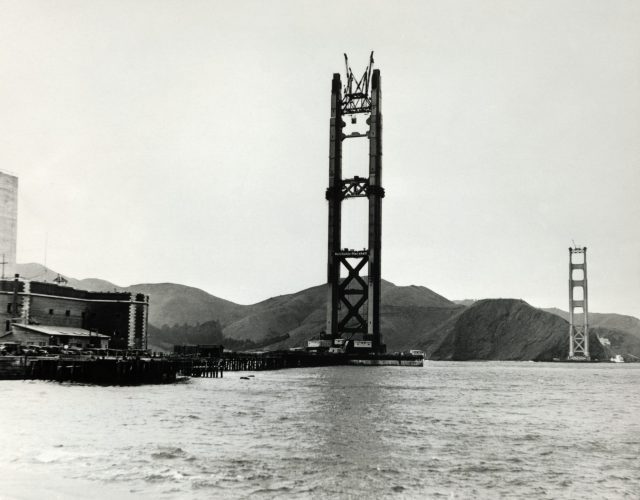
(104, 371)
(199, 367)
(252, 362)
(233, 362)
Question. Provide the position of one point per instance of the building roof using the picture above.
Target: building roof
(60, 331)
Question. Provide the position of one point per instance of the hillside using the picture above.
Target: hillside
(502, 329)
(172, 304)
(38, 272)
(619, 322)
(621, 342)
(303, 315)
(623, 332)
(465, 302)
(609, 321)
(277, 315)
(210, 332)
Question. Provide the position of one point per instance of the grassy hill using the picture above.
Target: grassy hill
(172, 304)
(623, 332)
(502, 329)
(609, 321)
(38, 272)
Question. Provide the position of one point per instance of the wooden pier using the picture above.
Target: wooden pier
(101, 371)
(167, 369)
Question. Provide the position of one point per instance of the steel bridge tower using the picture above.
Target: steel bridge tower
(353, 303)
(578, 307)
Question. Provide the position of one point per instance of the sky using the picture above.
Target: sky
(187, 142)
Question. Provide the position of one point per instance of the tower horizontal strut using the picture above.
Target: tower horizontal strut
(358, 187)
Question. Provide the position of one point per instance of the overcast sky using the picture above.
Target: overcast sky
(188, 142)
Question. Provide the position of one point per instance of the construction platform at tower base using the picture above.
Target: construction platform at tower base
(385, 360)
(275, 360)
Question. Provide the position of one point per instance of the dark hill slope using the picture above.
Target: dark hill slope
(619, 322)
(411, 296)
(608, 321)
(405, 311)
(621, 342)
(172, 304)
(402, 326)
(278, 315)
(623, 332)
(37, 272)
(503, 329)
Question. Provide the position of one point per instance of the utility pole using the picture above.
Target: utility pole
(4, 262)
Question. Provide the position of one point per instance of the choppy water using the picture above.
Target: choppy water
(453, 430)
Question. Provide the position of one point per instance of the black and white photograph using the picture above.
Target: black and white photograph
(290, 249)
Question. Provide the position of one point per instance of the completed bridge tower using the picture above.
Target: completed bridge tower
(578, 305)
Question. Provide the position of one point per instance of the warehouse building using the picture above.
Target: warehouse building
(57, 335)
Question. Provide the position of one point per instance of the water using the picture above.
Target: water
(449, 430)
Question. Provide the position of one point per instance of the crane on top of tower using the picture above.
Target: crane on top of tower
(357, 98)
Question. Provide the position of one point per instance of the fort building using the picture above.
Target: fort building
(39, 313)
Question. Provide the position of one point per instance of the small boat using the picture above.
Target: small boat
(617, 359)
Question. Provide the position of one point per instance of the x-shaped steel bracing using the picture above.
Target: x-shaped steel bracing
(353, 310)
(357, 187)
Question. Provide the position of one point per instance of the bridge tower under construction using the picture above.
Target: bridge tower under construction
(578, 305)
(353, 301)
